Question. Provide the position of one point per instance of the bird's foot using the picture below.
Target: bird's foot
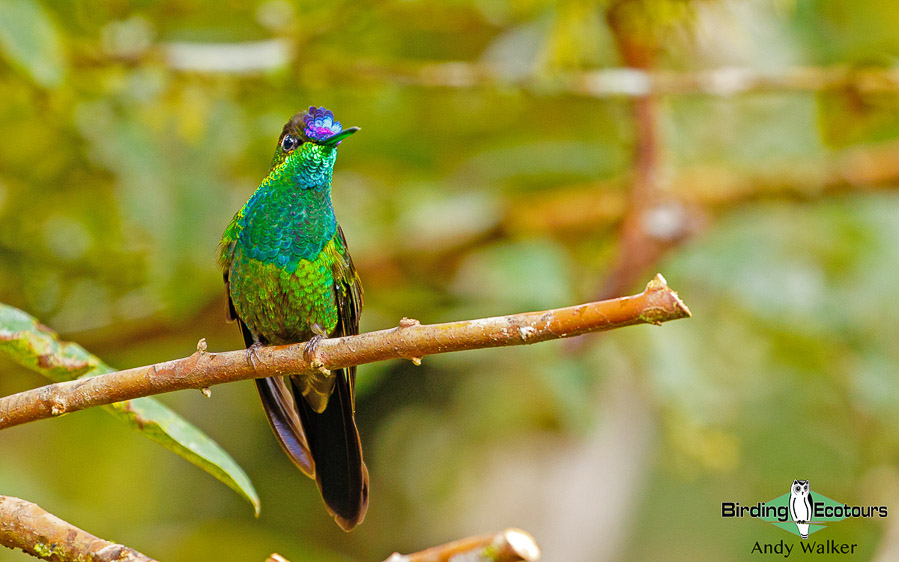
(253, 353)
(310, 351)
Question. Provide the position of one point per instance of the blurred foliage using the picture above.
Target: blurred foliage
(131, 137)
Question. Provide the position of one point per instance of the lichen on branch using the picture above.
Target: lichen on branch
(25, 526)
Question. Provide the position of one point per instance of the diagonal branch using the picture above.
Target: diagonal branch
(24, 525)
(511, 545)
(410, 340)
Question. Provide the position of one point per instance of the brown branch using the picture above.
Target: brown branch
(640, 244)
(638, 82)
(410, 340)
(24, 525)
(511, 545)
(243, 58)
(594, 206)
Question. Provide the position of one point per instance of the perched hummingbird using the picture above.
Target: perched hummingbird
(290, 278)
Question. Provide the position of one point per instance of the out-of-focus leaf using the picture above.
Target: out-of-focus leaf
(31, 344)
(163, 164)
(29, 39)
(465, 215)
(557, 161)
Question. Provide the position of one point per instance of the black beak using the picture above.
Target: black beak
(336, 138)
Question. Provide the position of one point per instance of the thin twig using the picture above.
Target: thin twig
(511, 545)
(26, 526)
(410, 340)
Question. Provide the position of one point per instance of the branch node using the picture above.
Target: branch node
(320, 367)
(658, 283)
(206, 392)
(521, 543)
(201, 346)
(654, 315)
(58, 408)
(408, 322)
(415, 361)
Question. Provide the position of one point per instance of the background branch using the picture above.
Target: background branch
(511, 545)
(639, 82)
(410, 340)
(257, 56)
(639, 245)
(26, 526)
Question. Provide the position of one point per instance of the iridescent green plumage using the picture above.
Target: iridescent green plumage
(289, 278)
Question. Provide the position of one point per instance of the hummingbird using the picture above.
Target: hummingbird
(289, 278)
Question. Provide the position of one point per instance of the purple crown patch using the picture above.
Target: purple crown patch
(320, 124)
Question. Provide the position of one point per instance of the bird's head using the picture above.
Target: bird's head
(308, 142)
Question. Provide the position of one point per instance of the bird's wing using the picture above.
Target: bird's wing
(229, 241)
(279, 405)
(348, 289)
(333, 438)
(224, 257)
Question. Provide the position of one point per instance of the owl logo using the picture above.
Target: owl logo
(801, 506)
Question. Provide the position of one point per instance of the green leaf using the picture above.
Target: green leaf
(31, 344)
(29, 39)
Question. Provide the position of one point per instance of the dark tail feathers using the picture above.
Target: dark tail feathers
(324, 446)
(336, 450)
(282, 416)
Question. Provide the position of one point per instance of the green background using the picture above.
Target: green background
(122, 161)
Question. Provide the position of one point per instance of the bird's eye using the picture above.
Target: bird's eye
(289, 142)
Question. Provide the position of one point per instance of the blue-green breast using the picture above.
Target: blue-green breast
(282, 262)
